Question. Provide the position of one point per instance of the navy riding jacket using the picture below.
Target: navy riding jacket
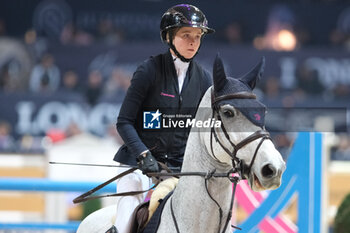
(154, 86)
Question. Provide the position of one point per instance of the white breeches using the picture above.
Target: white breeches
(135, 181)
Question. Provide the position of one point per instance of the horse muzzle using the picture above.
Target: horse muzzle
(269, 177)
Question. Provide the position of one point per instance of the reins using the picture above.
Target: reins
(87, 195)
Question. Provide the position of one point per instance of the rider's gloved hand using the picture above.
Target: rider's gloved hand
(147, 163)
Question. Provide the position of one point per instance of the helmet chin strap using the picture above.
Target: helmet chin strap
(182, 58)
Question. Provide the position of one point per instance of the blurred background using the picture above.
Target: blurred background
(65, 67)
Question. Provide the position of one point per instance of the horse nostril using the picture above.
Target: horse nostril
(268, 171)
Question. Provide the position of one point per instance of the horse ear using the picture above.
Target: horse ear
(252, 77)
(219, 75)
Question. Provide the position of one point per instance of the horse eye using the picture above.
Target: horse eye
(228, 113)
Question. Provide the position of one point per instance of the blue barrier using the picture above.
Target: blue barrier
(39, 184)
(303, 177)
(69, 226)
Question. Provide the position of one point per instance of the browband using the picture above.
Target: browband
(238, 95)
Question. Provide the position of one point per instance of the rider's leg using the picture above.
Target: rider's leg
(135, 181)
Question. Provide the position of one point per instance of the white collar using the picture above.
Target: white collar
(180, 65)
(181, 70)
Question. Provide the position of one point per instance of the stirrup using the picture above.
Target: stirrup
(113, 229)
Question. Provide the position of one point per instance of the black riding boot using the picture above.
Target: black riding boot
(113, 229)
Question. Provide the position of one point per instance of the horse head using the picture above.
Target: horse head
(242, 137)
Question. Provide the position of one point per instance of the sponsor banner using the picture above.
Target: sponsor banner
(36, 114)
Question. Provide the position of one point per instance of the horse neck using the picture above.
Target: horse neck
(193, 202)
(191, 197)
(197, 156)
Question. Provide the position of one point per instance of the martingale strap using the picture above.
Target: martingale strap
(207, 176)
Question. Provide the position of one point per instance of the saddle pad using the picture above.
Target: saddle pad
(153, 223)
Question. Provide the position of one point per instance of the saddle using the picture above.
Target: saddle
(140, 218)
(146, 216)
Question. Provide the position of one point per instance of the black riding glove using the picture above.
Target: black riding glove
(147, 163)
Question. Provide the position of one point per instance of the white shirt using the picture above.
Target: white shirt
(181, 70)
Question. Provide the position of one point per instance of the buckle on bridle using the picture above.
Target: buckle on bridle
(241, 168)
(209, 174)
(234, 179)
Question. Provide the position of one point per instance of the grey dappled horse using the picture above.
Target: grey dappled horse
(242, 143)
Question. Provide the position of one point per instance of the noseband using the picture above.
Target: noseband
(237, 164)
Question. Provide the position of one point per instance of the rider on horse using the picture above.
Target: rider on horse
(170, 83)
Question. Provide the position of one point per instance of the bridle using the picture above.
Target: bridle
(237, 163)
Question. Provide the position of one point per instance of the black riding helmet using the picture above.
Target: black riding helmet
(183, 15)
